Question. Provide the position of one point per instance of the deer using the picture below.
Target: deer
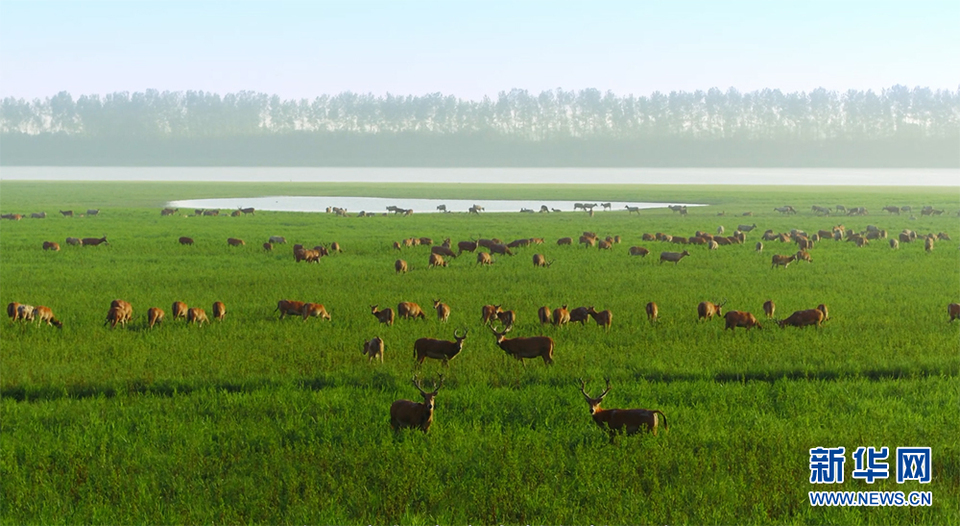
(43, 313)
(197, 315)
(707, 310)
(675, 257)
(561, 316)
(779, 260)
(603, 318)
(219, 310)
(373, 349)
(652, 312)
(736, 318)
(436, 260)
(769, 307)
(384, 316)
(443, 310)
(544, 315)
(444, 350)
(179, 310)
(953, 310)
(94, 241)
(409, 309)
(507, 317)
(407, 413)
(615, 421)
(521, 348)
(489, 312)
(154, 316)
(120, 313)
(314, 310)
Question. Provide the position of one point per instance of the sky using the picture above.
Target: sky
(472, 49)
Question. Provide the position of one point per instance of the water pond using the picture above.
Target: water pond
(289, 203)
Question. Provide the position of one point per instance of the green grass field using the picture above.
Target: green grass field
(257, 420)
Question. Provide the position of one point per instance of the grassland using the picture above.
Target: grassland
(257, 420)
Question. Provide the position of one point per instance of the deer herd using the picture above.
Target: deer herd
(419, 415)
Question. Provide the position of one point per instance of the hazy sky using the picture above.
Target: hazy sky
(476, 48)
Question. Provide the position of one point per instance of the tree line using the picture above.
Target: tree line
(900, 125)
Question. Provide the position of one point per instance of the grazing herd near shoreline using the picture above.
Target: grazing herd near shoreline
(410, 414)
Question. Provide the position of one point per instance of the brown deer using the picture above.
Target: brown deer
(384, 316)
(707, 310)
(521, 348)
(154, 316)
(652, 312)
(45, 314)
(409, 309)
(615, 421)
(373, 349)
(407, 413)
(219, 310)
(444, 350)
(443, 310)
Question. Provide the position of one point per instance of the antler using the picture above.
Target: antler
(416, 383)
(607, 390)
(437, 386)
(455, 336)
(583, 387)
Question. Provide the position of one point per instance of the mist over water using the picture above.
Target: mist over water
(586, 176)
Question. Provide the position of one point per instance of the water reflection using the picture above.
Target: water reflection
(289, 203)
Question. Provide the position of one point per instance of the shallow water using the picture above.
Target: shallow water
(287, 203)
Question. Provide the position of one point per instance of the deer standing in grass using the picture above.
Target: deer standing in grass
(407, 413)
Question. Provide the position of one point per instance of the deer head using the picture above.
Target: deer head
(594, 403)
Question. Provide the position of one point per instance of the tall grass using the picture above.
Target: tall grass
(260, 420)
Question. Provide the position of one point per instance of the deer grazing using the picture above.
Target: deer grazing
(707, 310)
(219, 310)
(409, 309)
(736, 318)
(489, 312)
(314, 310)
(154, 316)
(615, 421)
(603, 318)
(384, 316)
(443, 310)
(373, 349)
(769, 307)
(120, 313)
(179, 310)
(198, 316)
(45, 314)
(544, 315)
(407, 413)
(652, 312)
(561, 316)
